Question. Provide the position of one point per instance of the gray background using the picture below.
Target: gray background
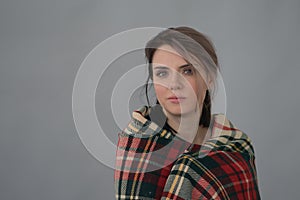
(42, 44)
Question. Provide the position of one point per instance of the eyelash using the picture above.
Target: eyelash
(158, 74)
(190, 71)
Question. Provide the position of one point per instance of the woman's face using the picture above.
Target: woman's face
(179, 87)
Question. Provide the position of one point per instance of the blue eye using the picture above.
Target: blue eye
(161, 73)
(188, 71)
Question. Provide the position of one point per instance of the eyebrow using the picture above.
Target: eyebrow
(180, 67)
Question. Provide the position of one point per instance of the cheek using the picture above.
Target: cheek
(198, 89)
(159, 90)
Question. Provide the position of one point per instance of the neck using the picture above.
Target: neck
(187, 127)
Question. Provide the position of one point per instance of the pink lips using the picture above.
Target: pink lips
(175, 99)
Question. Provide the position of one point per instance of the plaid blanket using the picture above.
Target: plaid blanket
(153, 163)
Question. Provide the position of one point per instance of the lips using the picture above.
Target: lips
(176, 99)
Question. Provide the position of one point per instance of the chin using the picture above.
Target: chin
(178, 111)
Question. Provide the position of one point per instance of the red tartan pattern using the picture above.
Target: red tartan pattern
(152, 163)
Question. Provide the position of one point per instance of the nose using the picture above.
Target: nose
(175, 81)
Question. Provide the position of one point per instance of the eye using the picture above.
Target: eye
(188, 71)
(161, 73)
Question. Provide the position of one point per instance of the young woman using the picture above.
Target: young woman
(177, 149)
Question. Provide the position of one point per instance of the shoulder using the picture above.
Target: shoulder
(223, 167)
(219, 174)
(226, 136)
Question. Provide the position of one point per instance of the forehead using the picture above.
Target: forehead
(167, 48)
(166, 55)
